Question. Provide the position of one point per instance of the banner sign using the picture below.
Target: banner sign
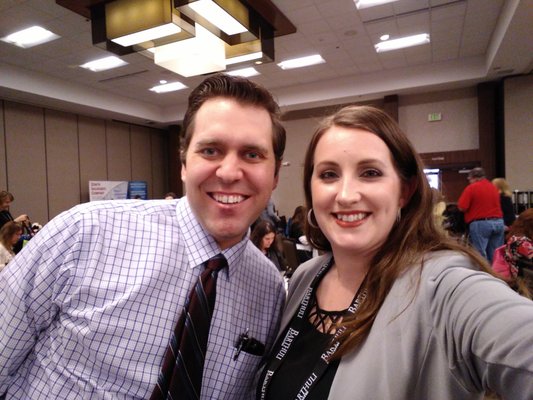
(138, 190)
(108, 190)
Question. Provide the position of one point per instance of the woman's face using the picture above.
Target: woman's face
(4, 206)
(267, 241)
(15, 238)
(356, 190)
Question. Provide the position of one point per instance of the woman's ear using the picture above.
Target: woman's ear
(408, 188)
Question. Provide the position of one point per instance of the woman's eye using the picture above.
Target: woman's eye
(326, 175)
(370, 173)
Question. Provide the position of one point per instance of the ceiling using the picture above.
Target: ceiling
(471, 41)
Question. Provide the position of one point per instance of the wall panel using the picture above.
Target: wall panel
(61, 132)
(3, 165)
(518, 96)
(159, 161)
(93, 153)
(118, 151)
(26, 160)
(141, 156)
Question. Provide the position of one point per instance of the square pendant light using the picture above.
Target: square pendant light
(202, 54)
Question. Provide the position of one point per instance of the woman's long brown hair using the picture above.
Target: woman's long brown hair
(408, 241)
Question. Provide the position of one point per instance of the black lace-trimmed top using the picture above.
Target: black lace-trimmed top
(304, 354)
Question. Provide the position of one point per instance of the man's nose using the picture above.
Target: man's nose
(230, 168)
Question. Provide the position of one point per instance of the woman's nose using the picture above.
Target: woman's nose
(349, 191)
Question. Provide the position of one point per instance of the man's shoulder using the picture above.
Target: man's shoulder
(140, 207)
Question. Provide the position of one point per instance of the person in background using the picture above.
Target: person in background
(270, 214)
(90, 306)
(296, 223)
(516, 253)
(6, 199)
(10, 234)
(395, 309)
(264, 238)
(506, 201)
(480, 202)
(171, 196)
(439, 206)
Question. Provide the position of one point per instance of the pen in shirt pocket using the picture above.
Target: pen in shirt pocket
(248, 345)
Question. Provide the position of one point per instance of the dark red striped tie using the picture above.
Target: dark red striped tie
(183, 364)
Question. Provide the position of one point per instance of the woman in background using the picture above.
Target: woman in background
(394, 309)
(9, 236)
(506, 201)
(263, 236)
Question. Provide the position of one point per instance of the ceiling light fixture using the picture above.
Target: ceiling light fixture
(218, 16)
(244, 72)
(104, 63)
(145, 22)
(400, 43)
(30, 37)
(202, 54)
(168, 87)
(127, 26)
(361, 4)
(384, 37)
(302, 62)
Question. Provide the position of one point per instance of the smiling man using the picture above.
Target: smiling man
(90, 306)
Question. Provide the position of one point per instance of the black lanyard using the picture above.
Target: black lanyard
(294, 329)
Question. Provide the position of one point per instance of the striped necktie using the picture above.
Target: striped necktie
(183, 364)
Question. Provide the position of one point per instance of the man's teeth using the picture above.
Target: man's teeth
(351, 217)
(228, 199)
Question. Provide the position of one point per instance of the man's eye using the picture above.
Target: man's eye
(253, 155)
(208, 151)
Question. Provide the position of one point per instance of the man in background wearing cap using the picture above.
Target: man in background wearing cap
(480, 201)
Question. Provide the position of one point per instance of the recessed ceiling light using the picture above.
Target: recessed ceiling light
(30, 37)
(400, 43)
(244, 72)
(162, 81)
(360, 4)
(168, 87)
(104, 63)
(302, 62)
(384, 37)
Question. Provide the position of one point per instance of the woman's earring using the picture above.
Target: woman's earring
(399, 216)
(310, 220)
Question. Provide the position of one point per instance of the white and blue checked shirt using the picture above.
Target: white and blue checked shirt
(88, 307)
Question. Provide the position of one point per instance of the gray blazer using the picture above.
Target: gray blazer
(448, 332)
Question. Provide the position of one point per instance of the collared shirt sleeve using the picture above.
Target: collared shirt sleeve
(29, 286)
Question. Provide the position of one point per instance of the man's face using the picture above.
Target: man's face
(229, 169)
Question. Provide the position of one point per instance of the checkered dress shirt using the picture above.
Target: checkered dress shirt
(88, 307)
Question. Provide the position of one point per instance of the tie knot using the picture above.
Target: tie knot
(216, 263)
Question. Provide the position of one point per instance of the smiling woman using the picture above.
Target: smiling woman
(391, 290)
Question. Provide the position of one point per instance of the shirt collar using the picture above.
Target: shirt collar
(200, 246)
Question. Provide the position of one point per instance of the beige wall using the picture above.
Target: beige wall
(518, 95)
(458, 129)
(47, 158)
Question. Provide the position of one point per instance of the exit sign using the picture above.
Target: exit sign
(434, 117)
